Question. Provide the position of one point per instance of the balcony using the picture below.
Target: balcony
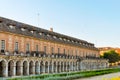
(41, 54)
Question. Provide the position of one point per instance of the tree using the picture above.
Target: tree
(112, 56)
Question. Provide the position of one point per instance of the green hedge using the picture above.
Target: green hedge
(67, 76)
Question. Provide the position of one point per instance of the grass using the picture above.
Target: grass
(67, 76)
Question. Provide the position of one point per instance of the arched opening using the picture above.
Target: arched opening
(37, 67)
(41, 67)
(50, 67)
(71, 66)
(76, 66)
(18, 68)
(2, 69)
(62, 67)
(11, 68)
(25, 68)
(65, 66)
(55, 66)
(31, 65)
(46, 67)
(68, 67)
(58, 67)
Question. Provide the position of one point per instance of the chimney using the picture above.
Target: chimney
(51, 29)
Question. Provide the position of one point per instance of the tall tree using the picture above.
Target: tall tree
(112, 56)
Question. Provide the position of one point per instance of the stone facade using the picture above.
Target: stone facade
(28, 50)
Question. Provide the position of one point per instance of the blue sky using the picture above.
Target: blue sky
(96, 21)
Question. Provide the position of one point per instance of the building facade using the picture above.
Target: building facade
(28, 50)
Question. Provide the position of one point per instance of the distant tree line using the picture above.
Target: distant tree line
(112, 56)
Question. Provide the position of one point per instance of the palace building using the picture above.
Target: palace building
(29, 50)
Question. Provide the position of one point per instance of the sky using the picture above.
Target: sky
(95, 21)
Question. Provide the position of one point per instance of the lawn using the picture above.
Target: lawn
(68, 76)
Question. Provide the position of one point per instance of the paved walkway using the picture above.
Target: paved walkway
(102, 77)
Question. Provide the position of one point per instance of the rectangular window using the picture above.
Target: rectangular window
(37, 48)
(2, 44)
(45, 49)
(16, 46)
(52, 50)
(64, 51)
(58, 50)
(27, 47)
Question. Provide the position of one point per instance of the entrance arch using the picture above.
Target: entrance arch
(41, 67)
(50, 67)
(37, 67)
(46, 67)
(11, 68)
(18, 68)
(58, 67)
(3, 69)
(25, 68)
(55, 67)
(31, 66)
(62, 67)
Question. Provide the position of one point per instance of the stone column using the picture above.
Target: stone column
(75, 67)
(5, 70)
(37, 68)
(63, 68)
(27, 69)
(72, 67)
(43, 67)
(14, 69)
(21, 69)
(56, 68)
(40, 68)
(48, 67)
(59, 68)
(33, 69)
(69, 67)
(52, 67)
(66, 67)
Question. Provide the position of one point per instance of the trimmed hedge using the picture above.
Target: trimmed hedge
(67, 76)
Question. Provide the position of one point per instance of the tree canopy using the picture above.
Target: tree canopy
(112, 56)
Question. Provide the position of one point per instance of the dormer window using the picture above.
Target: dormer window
(40, 33)
(48, 35)
(68, 40)
(83, 44)
(54, 37)
(31, 31)
(64, 39)
(60, 38)
(12, 27)
(23, 29)
(80, 43)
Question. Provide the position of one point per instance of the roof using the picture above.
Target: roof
(16, 27)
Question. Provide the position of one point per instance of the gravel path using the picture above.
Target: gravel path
(102, 77)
